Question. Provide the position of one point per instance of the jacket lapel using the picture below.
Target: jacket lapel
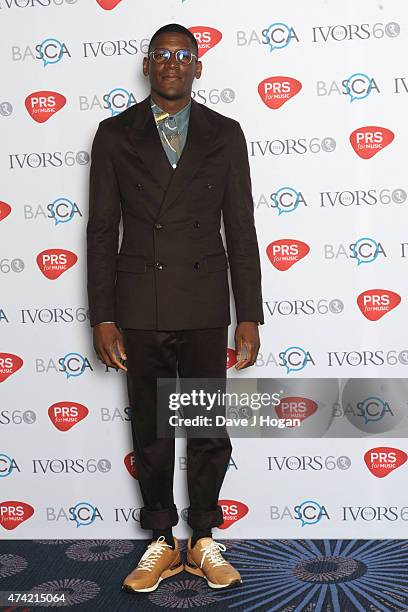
(145, 142)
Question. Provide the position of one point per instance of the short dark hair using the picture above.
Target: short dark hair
(174, 27)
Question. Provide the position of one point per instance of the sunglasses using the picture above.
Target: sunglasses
(183, 56)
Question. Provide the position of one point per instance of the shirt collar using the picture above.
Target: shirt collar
(181, 114)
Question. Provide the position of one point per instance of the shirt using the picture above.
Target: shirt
(173, 131)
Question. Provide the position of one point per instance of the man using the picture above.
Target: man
(169, 167)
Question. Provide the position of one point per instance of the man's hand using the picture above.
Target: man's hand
(246, 341)
(107, 338)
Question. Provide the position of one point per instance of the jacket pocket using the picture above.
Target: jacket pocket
(216, 262)
(131, 263)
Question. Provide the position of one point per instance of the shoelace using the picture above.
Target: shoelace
(152, 554)
(213, 552)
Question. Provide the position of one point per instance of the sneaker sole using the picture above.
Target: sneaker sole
(197, 571)
(166, 574)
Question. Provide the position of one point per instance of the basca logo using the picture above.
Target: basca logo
(284, 253)
(54, 262)
(275, 91)
(277, 36)
(232, 511)
(61, 210)
(310, 512)
(7, 465)
(295, 408)
(108, 5)
(83, 513)
(383, 460)
(41, 105)
(375, 303)
(367, 141)
(284, 200)
(357, 86)
(64, 415)
(49, 51)
(116, 101)
(295, 358)
(206, 38)
(9, 364)
(5, 210)
(71, 364)
(363, 251)
(231, 358)
(13, 513)
(130, 464)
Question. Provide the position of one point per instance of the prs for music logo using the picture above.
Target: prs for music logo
(383, 460)
(369, 140)
(108, 5)
(284, 253)
(54, 262)
(9, 364)
(13, 513)
(41, 105)
(206, 38)
(277, 90)
(64, 415)
(375, 303)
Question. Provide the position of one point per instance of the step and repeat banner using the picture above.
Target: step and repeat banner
(320, 91)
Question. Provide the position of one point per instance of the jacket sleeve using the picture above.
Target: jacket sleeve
(102, 232)
(240, 233)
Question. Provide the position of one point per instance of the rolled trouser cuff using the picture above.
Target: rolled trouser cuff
(158, 519)
(205, 519)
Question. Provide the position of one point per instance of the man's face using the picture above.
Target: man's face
(172, 80)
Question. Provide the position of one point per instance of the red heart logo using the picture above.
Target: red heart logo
(5, 210)
(295, 408)
(206, 38)
(232, 512)
(275, 91)
(108, 5)
(54, 262)
(129, 462)
(284, 253)
(13, 513)
(9, 364)
(383, 460)
(41, 105)
(231, 358)
(375, 303)
(64, 415)
(369, 140)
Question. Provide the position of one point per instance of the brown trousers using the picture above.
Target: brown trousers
(152, 354)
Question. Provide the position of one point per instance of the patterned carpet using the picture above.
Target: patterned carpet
(278, 575)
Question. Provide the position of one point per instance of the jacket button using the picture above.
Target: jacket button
(139, 186)
(197, 265)
(158, 226)
(159, 266)
(210, 186)
(196, 224)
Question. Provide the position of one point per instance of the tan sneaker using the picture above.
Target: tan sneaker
(205, 560)
(159, 561)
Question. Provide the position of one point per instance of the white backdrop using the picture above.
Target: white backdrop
(339, 68)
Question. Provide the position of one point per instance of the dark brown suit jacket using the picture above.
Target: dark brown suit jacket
(172, 269)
